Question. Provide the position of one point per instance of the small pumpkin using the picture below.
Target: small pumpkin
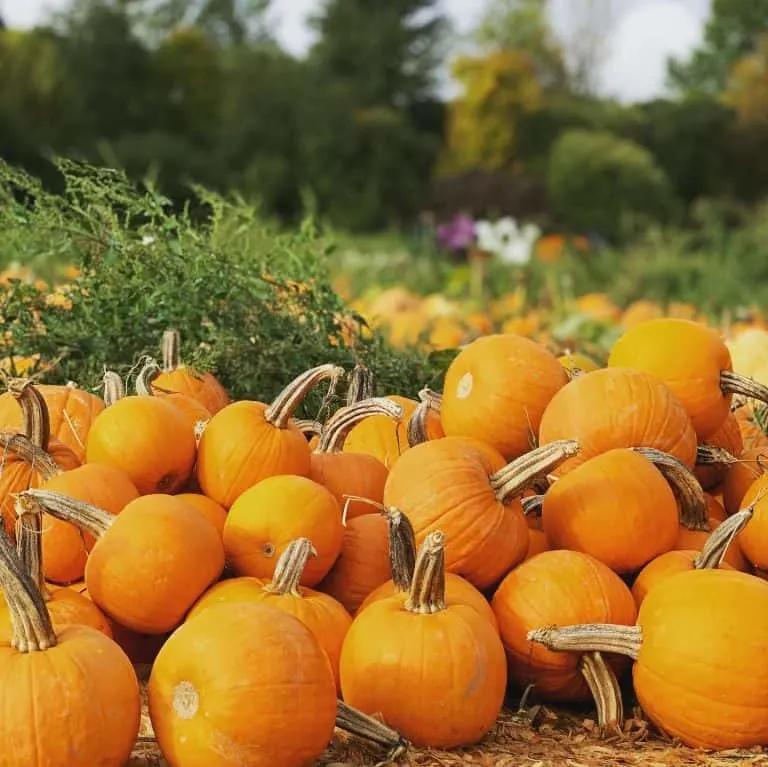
(728, 438)
(753, 540)
(212, 511)
(740, 476)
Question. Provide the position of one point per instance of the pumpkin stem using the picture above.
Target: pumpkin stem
(199, 429)
(362, 385)
(37, 423)
(591, 637)
(339, 425)
(89, 518)
(714, 550)
(114, 389)
(171, 346)
(149, 371)
(605, 690)
(427, 591)
(308, 426)
(516, 477)
(433, 398)
(280, 411)
(363, 726)
(417, 431)
(42, 462)
(402, 548)
(707, 455)
(29, 541)
(532, 505)
(32, 628)
(685, 486)
(290, 567)
(733, 383)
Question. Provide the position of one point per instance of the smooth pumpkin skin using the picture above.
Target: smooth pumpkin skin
(363, 564)
(75, 704)
(248, 677)
(240, 448)
(687, 677)
(266, 518)
(212, 511)
(320, 613)
(153, 564)
(350, 474)
(616, 407)
(740, 476)
(385, 439)
(695, 540)
(65, 547)
(559, 588)
(496, 390)
(689, 358)
(388, 665)
(728, 437)
(753, 539)
(71, 411)
(192, 410)
(148, 439)
(537, 542)
(616, 507)
(580, 362)
(444, 485)
(715, 509)
(202, 387)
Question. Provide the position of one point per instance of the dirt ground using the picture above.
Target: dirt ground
(537, 737)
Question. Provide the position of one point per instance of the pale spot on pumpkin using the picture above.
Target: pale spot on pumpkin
(186, 701)
(464, 389)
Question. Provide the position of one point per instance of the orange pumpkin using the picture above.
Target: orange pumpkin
(739, 477)
(715, 509)
(211, 510)
(727, 437)
(497, 389)
(753, 540)
(385, 665)
(149, 564)
(245, 676)
(537, 542)
(247, 442)
(752, 433)
(615, 408)
(320, 613)
(178, 378)
(693, 361)
(696, 540)
(266, 518)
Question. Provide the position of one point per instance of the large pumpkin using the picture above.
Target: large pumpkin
(497, 389)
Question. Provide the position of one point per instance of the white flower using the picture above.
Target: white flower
(506, 240)
(147, 240)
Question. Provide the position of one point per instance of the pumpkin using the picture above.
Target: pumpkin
(496, 390)
(577, 364)
(65, 547)
(715, 509)
(751, 425)
(96, 722)
(753, 540)
(693, 361)
(711, 555)
(147, 438)
(150, 563)
(388, 661)
(178, 378)
(30, 459)
(320, 613)
(247, 441)
(266, 518)
(687, 677)
(740, 476)
(351, 475)
(242, 676)
(71, 412)
(614, 408)
(727, 437)
(211, 510)
(537, 542)
(561, 588)
(696, 540)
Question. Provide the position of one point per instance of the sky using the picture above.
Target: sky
(643, 33)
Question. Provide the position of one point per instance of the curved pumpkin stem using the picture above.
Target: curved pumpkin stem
(171, 346)
(519, 475)
(707, 455)
(29, 541)
(418, 430)
(362, 385)
(290, 567)
(344, 420)
(432, 398)
(308, 426)
(149, 371)
(42, 462)
(733, 383)
(532, 505)
(427, 592)
(34, 410)
(685, 486)
(591, 637)
(283, 407)
(87, 517)
(114, 389)
(714, 550)
(605, 690)
(363, 726)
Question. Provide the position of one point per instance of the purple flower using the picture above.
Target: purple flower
(458, 234)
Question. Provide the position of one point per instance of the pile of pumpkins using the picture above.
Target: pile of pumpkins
(538, 525)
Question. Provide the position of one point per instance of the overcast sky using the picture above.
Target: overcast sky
(645, 33)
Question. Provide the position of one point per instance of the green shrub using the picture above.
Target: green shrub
(607, 184)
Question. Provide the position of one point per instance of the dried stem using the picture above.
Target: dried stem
(418, 424)
(605, 690)
(344, 420)
(707, 455)
(733, 383)
(432, 398)
(37, 424)
(114, 389)
(363, 726)
(280, 411)
(40, 461)
(518, 476)
(308, 426)
(89, 518)
(149, 371)
(171, 346)
(290, 567)
(591, 637)
(361, 385)
(427, 592)
(533, 505)
(29, 541)
(712, 554)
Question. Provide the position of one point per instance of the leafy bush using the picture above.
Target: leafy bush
(254, 306)
(610, 185)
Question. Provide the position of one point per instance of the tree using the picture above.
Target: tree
(747, 87)
(585, 44)
(731, 33)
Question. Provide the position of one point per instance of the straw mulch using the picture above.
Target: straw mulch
(537, 737)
